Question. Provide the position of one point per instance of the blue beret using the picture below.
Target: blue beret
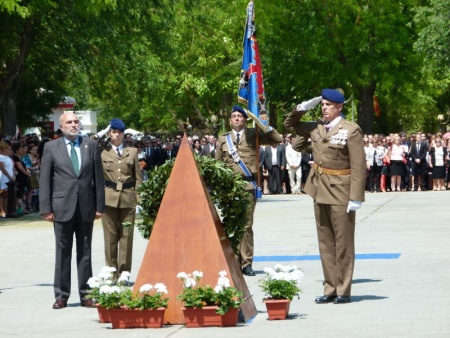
(240, 110)
(333, 95)
(117, 124)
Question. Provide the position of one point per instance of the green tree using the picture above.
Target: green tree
(363, 47)
(36, 39)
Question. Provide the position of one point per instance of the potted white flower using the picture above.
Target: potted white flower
(145, 308)
(280, 286)
(208, 306)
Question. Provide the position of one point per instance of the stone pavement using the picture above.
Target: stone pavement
(400, 289)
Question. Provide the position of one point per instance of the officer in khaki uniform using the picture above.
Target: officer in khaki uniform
(122, 178)
(245, 142)
(336, 183)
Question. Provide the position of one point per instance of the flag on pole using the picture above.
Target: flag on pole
(251, 86)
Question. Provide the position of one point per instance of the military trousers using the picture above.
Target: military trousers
(336, 235)
(118, 239)
(247, 245)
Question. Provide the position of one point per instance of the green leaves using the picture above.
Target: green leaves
(227, 192)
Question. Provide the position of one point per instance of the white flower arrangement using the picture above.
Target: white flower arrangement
(195, 294)
(281, 282)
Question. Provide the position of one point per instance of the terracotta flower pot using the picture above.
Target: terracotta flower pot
(277, 308)
(124, 318)
(103, 314)
(207, 316)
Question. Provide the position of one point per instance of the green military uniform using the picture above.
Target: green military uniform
(338, 176)
(247, 152)
(122, 178)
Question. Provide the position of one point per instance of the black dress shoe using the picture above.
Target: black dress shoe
(87, 302)
(248, 271)
(60, 304)
(325, 299)
(342, 300)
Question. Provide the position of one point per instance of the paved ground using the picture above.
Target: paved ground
(401, 283)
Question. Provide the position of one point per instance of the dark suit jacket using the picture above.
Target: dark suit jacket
(60, 190)
(156, 157)
(206, 150)
(422, 151)
(281, 156)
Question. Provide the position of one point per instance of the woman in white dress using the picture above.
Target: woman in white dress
(6, 175)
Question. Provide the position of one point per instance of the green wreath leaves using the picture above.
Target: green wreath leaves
(227, 192)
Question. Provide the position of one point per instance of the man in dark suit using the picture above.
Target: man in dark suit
(418, 154)
(169, 153)
(153, 154)
(276, 162)
(209, 149)
(71, 195)
(336, 183)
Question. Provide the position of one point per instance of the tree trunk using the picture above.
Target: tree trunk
(365, 109)
(8, 108)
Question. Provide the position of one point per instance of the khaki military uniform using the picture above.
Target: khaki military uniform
(247, 152)
(122, 178)
(338, 176)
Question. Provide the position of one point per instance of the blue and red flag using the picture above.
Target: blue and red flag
(251, 85)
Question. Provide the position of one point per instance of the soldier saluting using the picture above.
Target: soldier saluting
(336, 183)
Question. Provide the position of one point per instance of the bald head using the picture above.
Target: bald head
(69, 124)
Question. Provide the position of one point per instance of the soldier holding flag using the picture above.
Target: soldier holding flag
(238, 150)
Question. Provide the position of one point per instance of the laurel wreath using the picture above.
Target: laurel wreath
(227, 191)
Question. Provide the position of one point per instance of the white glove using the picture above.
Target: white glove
(353, 205)
(307, 105)
(103, 132)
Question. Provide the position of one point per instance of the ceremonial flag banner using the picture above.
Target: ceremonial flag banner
(376, 107)
(251, 86)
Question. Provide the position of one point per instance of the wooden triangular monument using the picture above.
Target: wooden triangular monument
(187, 236)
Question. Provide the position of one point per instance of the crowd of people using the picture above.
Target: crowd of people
(395, 162)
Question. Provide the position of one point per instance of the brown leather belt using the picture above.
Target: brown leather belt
(327, 171)
(119, 186)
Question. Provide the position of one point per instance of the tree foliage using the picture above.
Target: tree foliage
(155, 64)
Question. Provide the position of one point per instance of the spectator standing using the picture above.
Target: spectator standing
(276, 162)
(438, 158)
(6, 176)
(396, 155)
(379, 154)
(293, 165)
(22, 177)
(369, 152)
(209, 149)
(197, 148)
(418, 153)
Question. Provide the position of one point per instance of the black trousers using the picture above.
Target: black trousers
(420, 170)
(275, 180)
(63, 241)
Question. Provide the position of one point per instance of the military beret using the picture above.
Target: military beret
(333, 95)
(117, 124)
(240, 110)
